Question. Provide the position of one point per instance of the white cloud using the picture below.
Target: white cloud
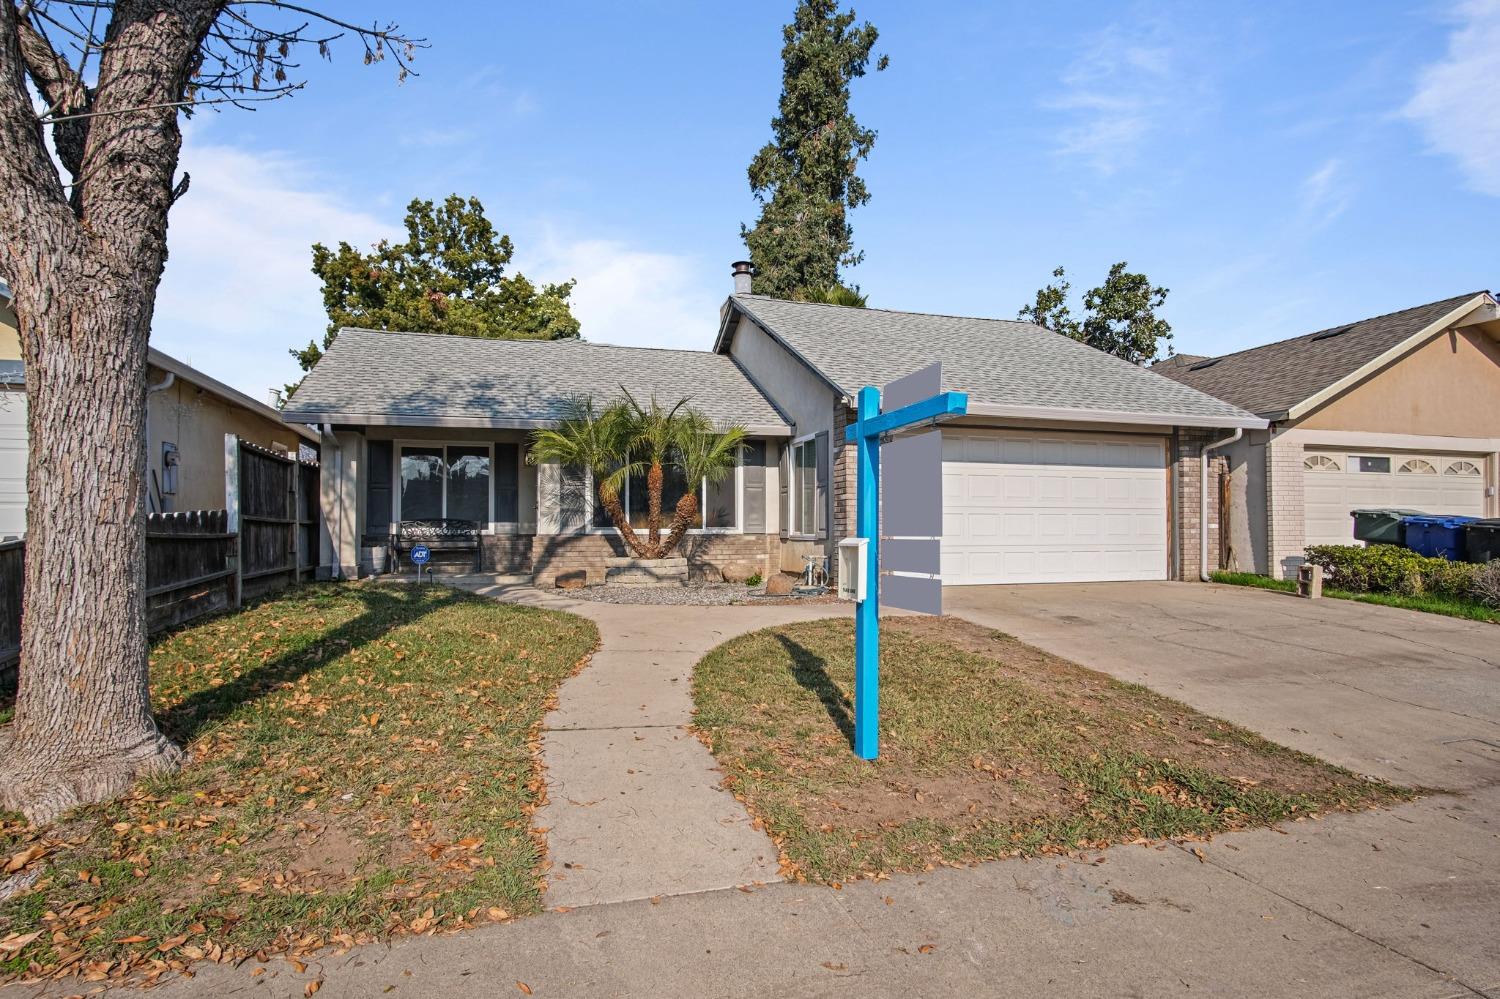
(238, 289)
(1457, 102)
(1118, 91)
(1326, 194)
(629, 295)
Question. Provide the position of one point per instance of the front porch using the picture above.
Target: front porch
(538, 521)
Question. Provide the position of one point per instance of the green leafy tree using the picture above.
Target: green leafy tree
(447, 276)
(804, 178)
(1119, 316)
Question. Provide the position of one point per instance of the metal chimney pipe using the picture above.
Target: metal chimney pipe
(744, 273)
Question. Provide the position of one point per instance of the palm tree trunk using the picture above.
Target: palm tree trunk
(653, 508)
(683, 518)
(616, 511)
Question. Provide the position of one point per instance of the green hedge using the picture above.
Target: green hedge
(1389, 569)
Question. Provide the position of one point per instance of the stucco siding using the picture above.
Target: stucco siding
(803, 396)
(196, 421)
(1448, 388)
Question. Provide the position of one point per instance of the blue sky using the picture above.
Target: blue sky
(1281, 167)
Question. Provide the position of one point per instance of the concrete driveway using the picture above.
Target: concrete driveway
(1411, 697)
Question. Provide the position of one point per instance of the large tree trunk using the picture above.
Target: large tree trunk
(84, 268)
(83, 729)
(683, 518)
(616, 511)
(654, 477)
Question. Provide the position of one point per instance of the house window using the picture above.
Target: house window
(451, 482)
(805, 487)
(1320, 463)
(1417, 466)
(1464, 468)
(1378, 464)
(718, 504)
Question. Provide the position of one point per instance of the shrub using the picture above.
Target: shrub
(1389, 569)
(1487, 584)
(754, 579)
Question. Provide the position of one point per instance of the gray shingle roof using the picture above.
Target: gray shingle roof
(1273, 378)
(430, 379)
(999, 363)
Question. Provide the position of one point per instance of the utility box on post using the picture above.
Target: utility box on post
(852, 555)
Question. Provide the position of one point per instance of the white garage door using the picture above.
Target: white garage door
(1335, 482)
(1036, 507)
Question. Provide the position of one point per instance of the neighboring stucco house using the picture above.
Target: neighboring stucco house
(187, 415)
(1402, 410)
(1072, 465)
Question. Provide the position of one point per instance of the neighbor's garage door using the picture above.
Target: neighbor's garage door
(1035, 507)
(1335, 482)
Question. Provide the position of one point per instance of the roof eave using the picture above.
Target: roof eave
(188, 373)
(320, 417)
(726, 334)
(1245, 421)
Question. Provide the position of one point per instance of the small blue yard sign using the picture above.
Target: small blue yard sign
(901, 421)
(420, 554)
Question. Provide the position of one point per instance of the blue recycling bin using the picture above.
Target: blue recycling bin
(1437, 537)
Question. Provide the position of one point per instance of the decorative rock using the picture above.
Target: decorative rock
(780, 584)
(575, 580)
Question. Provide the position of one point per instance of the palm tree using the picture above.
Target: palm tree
(654, 432)
(705, 456)
(834, 294)
(601, 442)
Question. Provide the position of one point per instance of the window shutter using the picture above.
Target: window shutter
(820, 498)
(784, 522)
(507, 483)
(572, 508)
(378, 492)
(753, 459)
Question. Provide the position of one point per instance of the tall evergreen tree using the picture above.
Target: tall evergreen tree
(447, 276)
(804, 177)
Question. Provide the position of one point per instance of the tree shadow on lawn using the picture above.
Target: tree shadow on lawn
(386, 608)
(810, 670)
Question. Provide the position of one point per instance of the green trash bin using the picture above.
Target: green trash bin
(1382, 526)
(1482, 540)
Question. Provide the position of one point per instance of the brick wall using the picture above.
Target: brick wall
(1285, 510)
(843, 483)
(505, 553)
(734, 557)
(1186, 480)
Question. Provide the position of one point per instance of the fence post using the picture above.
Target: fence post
(294, 494)
(232, 511)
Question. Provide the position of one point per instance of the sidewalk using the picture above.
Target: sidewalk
(1399, 903)
(634, 807)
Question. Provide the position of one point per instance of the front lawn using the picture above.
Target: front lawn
(363, 765)
(989, 748)
(1446, 606)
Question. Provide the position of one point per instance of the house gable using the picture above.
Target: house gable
(1448, 387)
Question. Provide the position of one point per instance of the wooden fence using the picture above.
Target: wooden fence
(274, 505)
(202, 561)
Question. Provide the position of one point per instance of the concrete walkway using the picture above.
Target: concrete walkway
(634, 807)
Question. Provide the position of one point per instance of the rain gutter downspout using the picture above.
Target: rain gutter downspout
(1203, 499)
(164, 384)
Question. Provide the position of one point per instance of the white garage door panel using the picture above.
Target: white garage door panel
(1023, 507)
(1331, 491)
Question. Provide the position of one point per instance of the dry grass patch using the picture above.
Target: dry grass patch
(363, 765)
(989, 748)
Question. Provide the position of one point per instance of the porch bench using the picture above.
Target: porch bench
(439, 535)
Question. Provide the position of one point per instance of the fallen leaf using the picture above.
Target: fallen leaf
(926, 948)
(525, 989)
(16, 941)
(23, 858)
(313, 987)
(831, 966)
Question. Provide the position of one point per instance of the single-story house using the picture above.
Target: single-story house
(187, 415)
(1401, 411)
(1072, 464)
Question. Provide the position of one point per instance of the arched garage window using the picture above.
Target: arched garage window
(1466, 468)
(1417, 466)
(1320, 463)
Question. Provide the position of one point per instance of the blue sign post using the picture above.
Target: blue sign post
(867, 433)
